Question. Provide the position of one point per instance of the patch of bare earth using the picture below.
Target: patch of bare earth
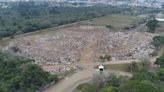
(83, 44)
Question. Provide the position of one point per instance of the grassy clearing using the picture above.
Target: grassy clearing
(121, 67)
(126, 66)
(116, 21)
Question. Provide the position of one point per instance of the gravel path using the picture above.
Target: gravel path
(70, 83)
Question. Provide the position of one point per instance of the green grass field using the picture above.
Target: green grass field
(116, 21)
(121, 67)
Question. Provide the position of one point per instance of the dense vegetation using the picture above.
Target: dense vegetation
(160, 61)
(152, 25)
(144, 80)
(22, 17)
(158, 41)
(19, 75)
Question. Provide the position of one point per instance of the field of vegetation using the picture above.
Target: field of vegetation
(114, 21)
(22, 17)
(128, 67)
(18, 74)
(121, 67)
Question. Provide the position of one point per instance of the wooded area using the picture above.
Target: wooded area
(25, 17)
(22, 17)
(18, 74)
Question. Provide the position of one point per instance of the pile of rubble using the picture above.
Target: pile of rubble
(65, 46)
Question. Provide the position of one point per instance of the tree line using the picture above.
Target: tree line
(22, 17)
(27, 16)
(18, 74)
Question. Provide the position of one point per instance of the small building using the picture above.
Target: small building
(101, 67)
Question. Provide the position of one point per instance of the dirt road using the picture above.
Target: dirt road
(70, 83)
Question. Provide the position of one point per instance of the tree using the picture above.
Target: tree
(158, 41)
(133, 67)
(144, 74)
(105, 57)
(152, 25)
(99, 79)
(160, 73)
(17, 74)
(160, 61)
(113, 80)
(138, 86)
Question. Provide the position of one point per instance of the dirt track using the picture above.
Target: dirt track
(70, 83)
(41, 42)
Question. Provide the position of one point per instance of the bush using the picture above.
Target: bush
(144, 74)
(160, 61)
(152, 25)
(15, 49)
(109, 26)
(145, 63)
(133, 67)
(104, 58)
(160, 73)
(86, 87)
(138, 86)
(158, 41)
(113, 80)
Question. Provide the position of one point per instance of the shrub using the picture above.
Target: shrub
(109, 26)
(158, 41)
(160, 61)
(152, 25)
(86, 87)
(133, 67)
(104, 58)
